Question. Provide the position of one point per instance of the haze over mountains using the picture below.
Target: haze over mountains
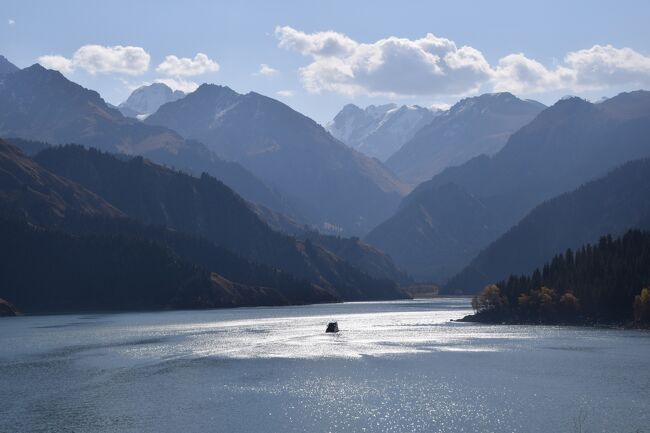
(472, 127)
(379, 131)
(331, 184)
(446, 221)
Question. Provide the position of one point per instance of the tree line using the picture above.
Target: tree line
(605, 282)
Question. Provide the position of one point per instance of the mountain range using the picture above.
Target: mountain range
(332, 185)
(472, 127)
(207, 208)
(137, 198)
(379, 131)
(241, 200)
(42, 211)
(41, 104)
(445, 222)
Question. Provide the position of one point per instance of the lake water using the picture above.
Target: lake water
(394, 367)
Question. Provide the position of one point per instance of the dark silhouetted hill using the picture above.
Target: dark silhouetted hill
(609, 205)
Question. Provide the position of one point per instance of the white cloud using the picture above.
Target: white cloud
(440, 106)
(266, 70)
(518, 74)
(11, 21)
(98, 59)
(182, 85)
(594, 68)
(390, 66)
(321, 44)
(437, 66)
(285, 93)
(605, 65)
(58, 63)
(184, 67)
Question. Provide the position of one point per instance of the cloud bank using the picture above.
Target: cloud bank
(98, 59)
(437, 66)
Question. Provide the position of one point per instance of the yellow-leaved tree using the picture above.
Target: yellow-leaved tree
(642, 306)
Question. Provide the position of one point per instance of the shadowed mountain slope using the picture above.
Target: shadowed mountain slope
(566, 145)
(610, 205)
(205, 207)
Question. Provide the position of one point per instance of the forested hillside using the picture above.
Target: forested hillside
(601, 283)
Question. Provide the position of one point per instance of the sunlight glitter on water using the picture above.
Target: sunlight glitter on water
(369, 334)
(394, 367)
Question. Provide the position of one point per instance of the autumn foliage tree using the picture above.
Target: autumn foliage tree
(489, 300)
(642, 307)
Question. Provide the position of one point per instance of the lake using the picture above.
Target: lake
(395, 367)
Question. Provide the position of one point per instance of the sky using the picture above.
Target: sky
(317, 56)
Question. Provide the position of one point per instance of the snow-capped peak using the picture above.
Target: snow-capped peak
(145, 100)
(378, 130)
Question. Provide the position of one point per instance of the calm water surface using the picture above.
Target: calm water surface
(394, 367)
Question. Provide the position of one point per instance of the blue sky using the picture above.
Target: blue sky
(377, 51)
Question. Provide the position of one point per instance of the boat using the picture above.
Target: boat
(332, 327)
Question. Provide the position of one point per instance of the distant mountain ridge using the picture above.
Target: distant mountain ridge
(145, 100)
(333, 184)
(474, 126)
(379, 131)
(566, 145)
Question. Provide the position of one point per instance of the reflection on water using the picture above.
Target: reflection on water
(395, 366)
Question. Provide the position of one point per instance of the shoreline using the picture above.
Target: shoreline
(170, 310)
(584, 324)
